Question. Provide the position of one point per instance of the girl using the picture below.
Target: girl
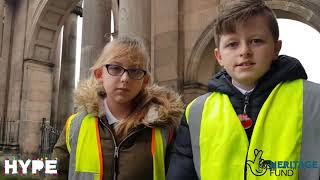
(123, 126)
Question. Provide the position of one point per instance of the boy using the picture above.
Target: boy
(261, 117)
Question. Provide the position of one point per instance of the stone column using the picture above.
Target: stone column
(17, 60)
(16, 68)
(35, 103)
(1, 22)
(165, 43)
(95, 33)
(56, 80)
(115, 10)
(135, 19)
(67, 75)
(3, 79)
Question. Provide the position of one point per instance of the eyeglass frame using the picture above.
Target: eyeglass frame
(125, 70)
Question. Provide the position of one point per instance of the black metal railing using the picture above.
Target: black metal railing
(9, 134)
(49, 137)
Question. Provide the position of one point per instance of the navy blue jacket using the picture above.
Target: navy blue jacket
(285, 68)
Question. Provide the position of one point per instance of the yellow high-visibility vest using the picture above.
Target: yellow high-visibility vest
(220, 144)
(83, 143)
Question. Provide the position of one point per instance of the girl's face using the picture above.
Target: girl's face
(122, 80)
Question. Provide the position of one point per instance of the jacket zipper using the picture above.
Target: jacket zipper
(246, 103)
(117, 148)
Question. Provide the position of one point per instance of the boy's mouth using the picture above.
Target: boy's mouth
(246, 64)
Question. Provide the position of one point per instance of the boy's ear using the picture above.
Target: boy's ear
(277, 49)
(98, 74)
(218, 56)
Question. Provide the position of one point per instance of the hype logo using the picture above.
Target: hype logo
(30, 166)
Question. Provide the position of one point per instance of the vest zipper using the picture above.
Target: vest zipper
(117, 148)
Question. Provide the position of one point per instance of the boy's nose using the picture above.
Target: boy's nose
(245, 50)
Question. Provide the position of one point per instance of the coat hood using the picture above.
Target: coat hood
(165, 114)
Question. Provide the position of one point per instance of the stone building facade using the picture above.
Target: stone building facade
(34, 84)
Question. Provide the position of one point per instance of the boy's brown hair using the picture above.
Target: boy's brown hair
(234, 12)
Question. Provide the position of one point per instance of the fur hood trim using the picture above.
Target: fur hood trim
(87, 99)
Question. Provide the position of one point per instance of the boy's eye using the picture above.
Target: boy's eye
(232, 44)
(256, 41)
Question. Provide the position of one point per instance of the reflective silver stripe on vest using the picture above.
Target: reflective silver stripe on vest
(84, 175)
(310, 147)
(74, 133)
(194, 122)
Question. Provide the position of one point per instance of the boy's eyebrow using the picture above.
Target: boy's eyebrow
(229, 37)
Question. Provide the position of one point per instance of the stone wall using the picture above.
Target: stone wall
(178, 34)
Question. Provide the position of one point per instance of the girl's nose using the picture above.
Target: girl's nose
(125, 77)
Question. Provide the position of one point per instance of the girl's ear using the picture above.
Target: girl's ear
(146, 80)
(98, 74)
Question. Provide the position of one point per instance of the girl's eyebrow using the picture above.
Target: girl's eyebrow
(116, 63)
(133, 66)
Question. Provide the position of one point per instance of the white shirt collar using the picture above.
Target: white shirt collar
(110, 117)
(243, 91)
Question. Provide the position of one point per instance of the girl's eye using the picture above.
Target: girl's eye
(134, 71)
(115, 69)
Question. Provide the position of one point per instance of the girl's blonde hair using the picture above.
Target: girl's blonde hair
(128, 47)
(133, 49)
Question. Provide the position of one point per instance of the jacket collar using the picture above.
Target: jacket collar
(157, 115)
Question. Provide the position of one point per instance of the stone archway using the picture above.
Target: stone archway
(203, 41)
(39, 69)
(307, 11)
(39, 96)
(45, 28)
(191, 85)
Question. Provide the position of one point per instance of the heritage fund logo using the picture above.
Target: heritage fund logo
(259, 167)
(30, 167)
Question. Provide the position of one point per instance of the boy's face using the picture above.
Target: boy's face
(248, 53)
